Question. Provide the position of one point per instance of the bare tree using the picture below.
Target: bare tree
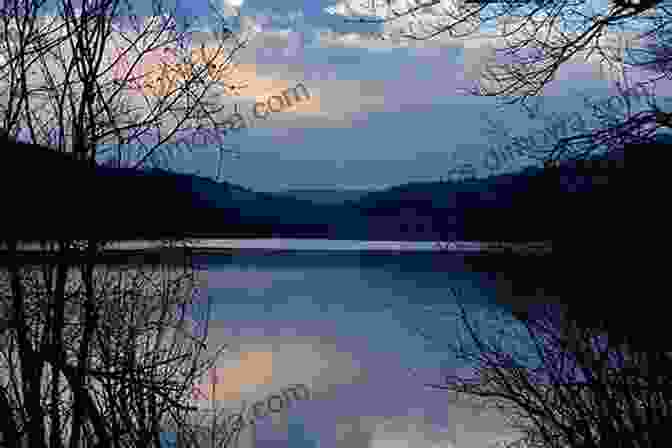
(98, 77)
(561, 384)
(531, 31)
(143, 354)
(612, 124)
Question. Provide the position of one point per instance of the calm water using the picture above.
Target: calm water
(331, 245)
(350, 326)
(363, 330)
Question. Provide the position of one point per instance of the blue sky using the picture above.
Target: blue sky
(386, 112)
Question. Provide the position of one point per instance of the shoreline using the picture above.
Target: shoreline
(155, 252)
(228, 244)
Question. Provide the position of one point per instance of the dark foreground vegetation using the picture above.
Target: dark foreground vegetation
(582, 358)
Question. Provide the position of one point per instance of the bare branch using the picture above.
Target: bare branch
(579, 387)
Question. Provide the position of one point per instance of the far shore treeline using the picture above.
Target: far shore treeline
(132, 204)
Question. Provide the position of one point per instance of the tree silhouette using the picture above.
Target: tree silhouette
(561, 384)
(93, 355)
(535, 40)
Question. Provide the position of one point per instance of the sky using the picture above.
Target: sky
(380, 113)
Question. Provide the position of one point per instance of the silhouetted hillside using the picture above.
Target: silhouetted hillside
(325, 196)
(532, 205)
(50, 195)
(461, 210)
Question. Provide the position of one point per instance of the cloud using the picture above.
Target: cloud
(257, 366)
(257, 83)
(340, 8)
(233, 3)
(370, 8)
(390, 432)
(407, 432)
(421, 21)
(478, 42)
(253, 368)
(468, 426)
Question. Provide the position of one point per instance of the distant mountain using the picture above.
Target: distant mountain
(51, 195)
(326, 196)
(448, 210)
(523, 206)
(49, 191)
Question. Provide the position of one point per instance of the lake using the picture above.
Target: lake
(347, 323)
(362, 327)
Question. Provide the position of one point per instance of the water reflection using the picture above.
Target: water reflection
(364, 331)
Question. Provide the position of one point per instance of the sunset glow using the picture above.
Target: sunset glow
(253, 369)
